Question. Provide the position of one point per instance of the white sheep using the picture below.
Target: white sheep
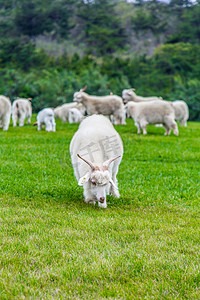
(75, 116)
(96, 152)
(21, 109)
(62, 112)
(105, 105)
(130, 95)
(46, 117)
(153, 112)
(5, 112)
(181, 112)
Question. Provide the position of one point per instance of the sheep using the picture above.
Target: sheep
(130, 95)
(181, 112)
(152, 112)
(62, 112)
(96, 151)
(21, 109)
(75, 116)
(105, 105)
(46, 117)
(5, 112)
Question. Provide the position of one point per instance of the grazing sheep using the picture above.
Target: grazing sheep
(106, 105)
(96, 152)
(21, 109)
(181, 112)
(5, 112)
(46, 117)
(62, 112)
(129, 95)
(75, 116)
(152, 112)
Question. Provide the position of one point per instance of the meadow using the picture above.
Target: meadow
(144, 245)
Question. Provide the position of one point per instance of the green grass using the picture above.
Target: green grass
(145, 245)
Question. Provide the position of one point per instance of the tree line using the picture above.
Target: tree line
(50, 49)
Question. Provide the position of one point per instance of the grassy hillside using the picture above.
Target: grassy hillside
(145, 244)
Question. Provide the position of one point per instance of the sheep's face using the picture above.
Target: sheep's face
(127, 95)
(78, 97)
(98, 182)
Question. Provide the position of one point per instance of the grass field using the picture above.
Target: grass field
(145, 245)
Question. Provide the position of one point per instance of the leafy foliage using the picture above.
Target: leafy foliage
(104, 34)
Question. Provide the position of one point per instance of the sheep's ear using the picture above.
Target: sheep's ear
(113, 184)
(84, 179)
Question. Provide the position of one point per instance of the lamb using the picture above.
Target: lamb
(62, 112)
(130, 95)
(75, 116)
(107, 105)
(46, 117)
(96, 152)
(21, 109)
(153, 112)
(181, 112)
(5, 112)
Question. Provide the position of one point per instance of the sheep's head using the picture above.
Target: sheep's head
(78, 96)
(98, 179)
(127, 95)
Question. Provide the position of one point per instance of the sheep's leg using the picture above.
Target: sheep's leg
(112, 119)
(123, 118)
(168, 130)
(183, 123)
(21, 120)
(144, 129)
(39, 126)
(6, 122)
(1, 124)
(138, 127)
(29, 120)
(113, 190)
(14, 119)
(70, 119)
(143, 124)
(48, 124)
(118, 118)
(175, 128)
(53, 125)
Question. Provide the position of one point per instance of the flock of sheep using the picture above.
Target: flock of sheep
(96, 148)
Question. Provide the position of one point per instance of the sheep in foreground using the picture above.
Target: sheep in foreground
(105, 105)
(62, 112)
(181, 112)
(130, 95)
(46, 117)
(5, 112)
(21, 109)
(75, 116)
(96, 152)
(152, 112)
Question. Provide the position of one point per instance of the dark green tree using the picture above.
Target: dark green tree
(104, 33)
